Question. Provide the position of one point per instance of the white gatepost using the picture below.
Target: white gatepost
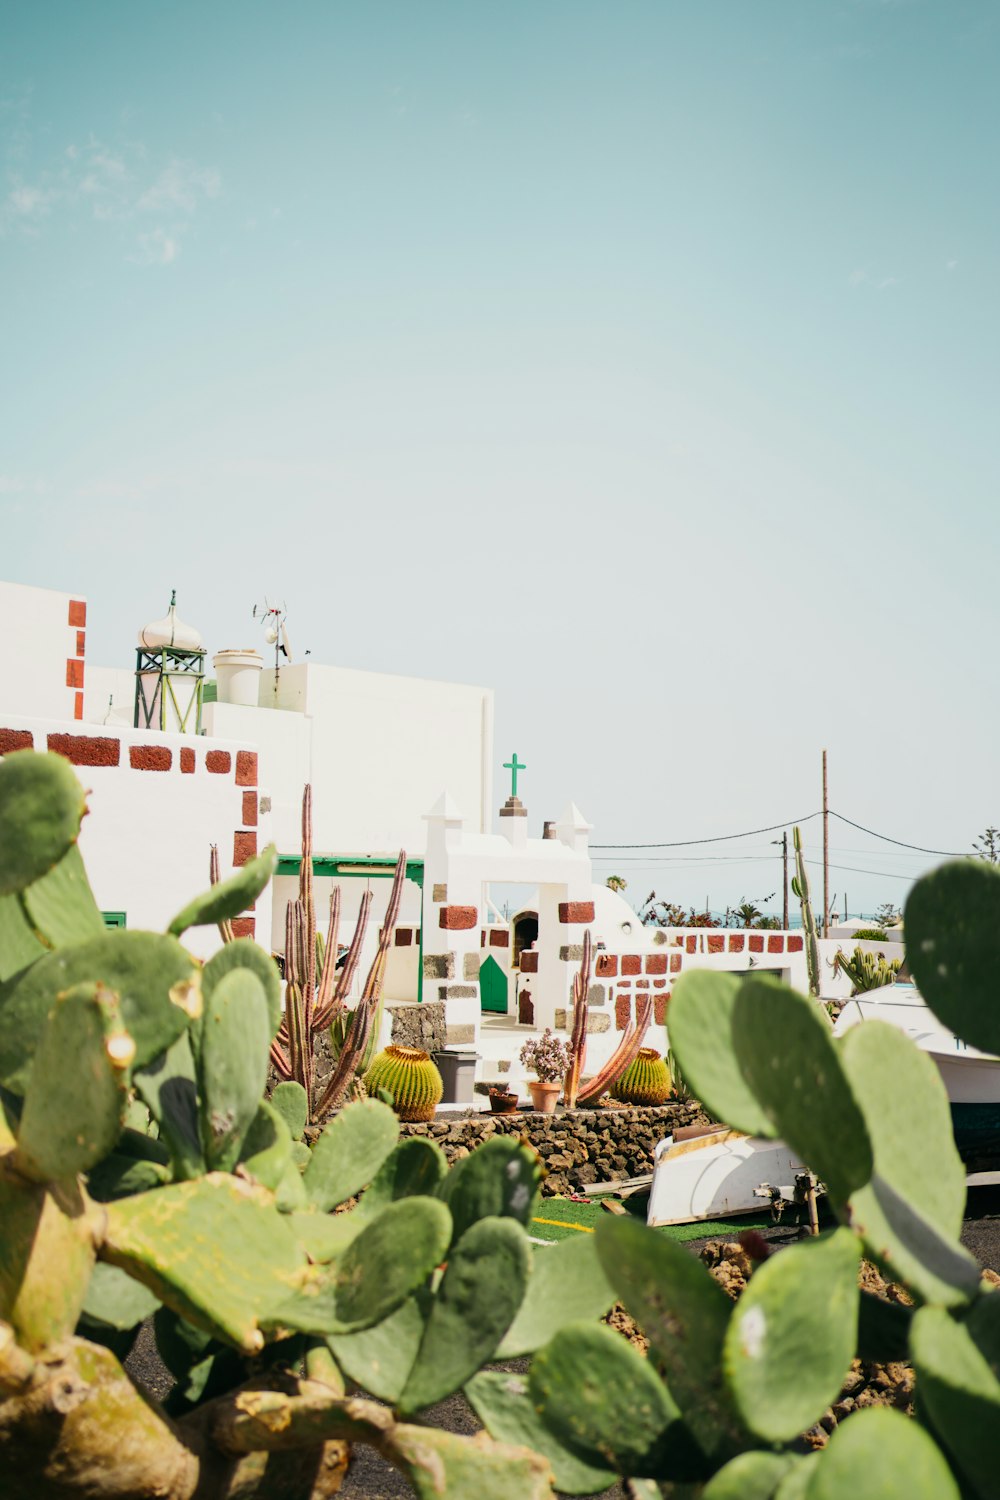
(452, 922)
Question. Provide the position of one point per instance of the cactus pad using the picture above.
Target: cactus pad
(232, 1064)
(951, 922)
(499, 1180)
(881, 1452)
(244, 953)
(227, 899)
(61, 905)
(701, 1024)
(503, 1404)
(292, 1103)
(750, 1476)
(644, 1081)
(409, 1075)
(567, 1283)
(349, 1152)
(960, 1393)
(41, 804)
(380, 1358)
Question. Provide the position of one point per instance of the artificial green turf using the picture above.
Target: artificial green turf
(560, 1219)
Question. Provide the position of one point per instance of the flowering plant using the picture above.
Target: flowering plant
(547, 1057)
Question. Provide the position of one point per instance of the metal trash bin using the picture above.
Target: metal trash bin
(457, 1067)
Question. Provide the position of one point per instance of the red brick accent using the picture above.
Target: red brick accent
(716, 942)
(250, 809)
(623, 1011)
(576, 911)
(756, 942)
(243, 926)
(775, 943)
(458, 918)
(625, 984)
(16, 739)
(500, 939)
(656, 963)
(660, 1009)
(74, 672)
(404, 937)
(219, 762)
(150, 757)
(86, 749)
(675, 962)
(78, 705)
(642, 984)
(187, 760)
(606, 966)
(244, 847)
(736, 942)
(81, 641)
(659, 984)
(529, 963)
(795, 944)
(246, 768)
(691, 942)
(77, 612)
(631, 963)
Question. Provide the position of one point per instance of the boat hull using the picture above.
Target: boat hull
(716, 1176)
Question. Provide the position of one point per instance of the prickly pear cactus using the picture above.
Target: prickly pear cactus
(409, 1075)
(646, 1080)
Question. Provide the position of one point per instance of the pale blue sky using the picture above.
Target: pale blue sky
(637, 358)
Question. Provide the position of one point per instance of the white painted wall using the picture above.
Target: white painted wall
(109, 696)
(35, 644)
(284, 746)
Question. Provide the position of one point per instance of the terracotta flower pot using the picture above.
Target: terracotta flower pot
(544, 1095)
(503, 1104)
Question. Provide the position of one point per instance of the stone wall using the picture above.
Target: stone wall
(578, 1147)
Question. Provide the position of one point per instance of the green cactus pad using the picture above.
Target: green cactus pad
(646, 1080)
(292, 1103)
(60, 906)
(798, 1314)
(155, 980)
(244, 953)
(169, 1087)
(349, 1152)
(325, 1237)
(65, 1130)
(381, 1267)
(701, 1025)
(750, 1476)
(290, 1194)
(119, 1176)
(440, 1464)
(566, 1284)
(267, 1147)
(416, 1166)
(881, 1455)
(379, 1359)
(46, 1258)
(910, 1214)
(232, 1065)
(794, 1483)
(116, 1299)
(500, 1179)
(230, 897)
(604, 1401)
(960, 1392)
(502, 1403)
(409, 1075)
(807, 1097)
(685, 1314)
(41, 805)
(951, 922)
(883, 1330)
(482, 1289)
(19, 943)
(216, 1251)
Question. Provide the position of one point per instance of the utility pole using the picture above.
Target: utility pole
(826, 855)
(783, 841)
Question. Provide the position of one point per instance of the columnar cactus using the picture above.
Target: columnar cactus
(409, 1075)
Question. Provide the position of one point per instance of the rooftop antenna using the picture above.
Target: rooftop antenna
(272, 617)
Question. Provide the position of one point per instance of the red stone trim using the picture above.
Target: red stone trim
(576, 911)
(642, 984)
(219, 762)
(631, 963)
(458, 918)
(756, 942)
(736, 942)
(81, 642)
(776, 943)
(404, 937)
(150, 757)
(77, 612)
(16, 739)
(246, 768)
(78, 705)
(795, 943)
(74, 672)
(660, 1009)
(244, 926)
(716, 942)
(187, 760)
(606, 966)
(691, 942)
(529, 963)
(623, 1011)
(250, 809)
(659, 984)
(500, 939)
(86, 749)
(244, 847)
(656, 963)
(675, 963)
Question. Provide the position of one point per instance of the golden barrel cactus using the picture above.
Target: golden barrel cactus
(409, 1075)
(644, 1081)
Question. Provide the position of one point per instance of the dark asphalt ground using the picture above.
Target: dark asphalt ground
(371, 1478)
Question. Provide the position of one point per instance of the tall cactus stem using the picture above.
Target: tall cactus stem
(307, 897)
(578, 1040)
(808, 917)
(214, 876)
(626, 1052)
(328, 974)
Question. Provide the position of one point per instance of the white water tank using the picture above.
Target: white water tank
(237, 675)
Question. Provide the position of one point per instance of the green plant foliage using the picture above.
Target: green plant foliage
(883, 1330)
(604, 1401)
(119, 1176)
(416, 1166)
(230, 897)
(267, 1147)
(380, 1358)
(232, 1065)
(60, 905)
(750, 1476)
(291, 1102)
(701, 1020)
(244, 953)
(115, 1299)
(168, 1086)
(502, 1403)
(349, 1152)
(808, 1099)
(868, 971)
(19, 943)
(799, 1313)
(871, 935)
(440, 1464)
(41, 805)
(881, 1455)
(960, 1393)
(567, 1283)
(952, 919)
(481, 1291)
(63, 1131)
(500, 1179)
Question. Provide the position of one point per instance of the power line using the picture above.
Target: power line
(721, 838)
(947, 853)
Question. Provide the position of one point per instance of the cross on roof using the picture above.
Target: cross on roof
(513, 766)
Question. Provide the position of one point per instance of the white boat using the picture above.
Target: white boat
(722, 1173)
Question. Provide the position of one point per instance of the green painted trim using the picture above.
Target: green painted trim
(114, 919)
(360, 867)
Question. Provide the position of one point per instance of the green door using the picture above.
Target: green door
(493, 986)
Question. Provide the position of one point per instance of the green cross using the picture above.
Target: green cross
(513, 766)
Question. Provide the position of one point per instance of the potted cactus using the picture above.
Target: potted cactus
(548, 1059)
